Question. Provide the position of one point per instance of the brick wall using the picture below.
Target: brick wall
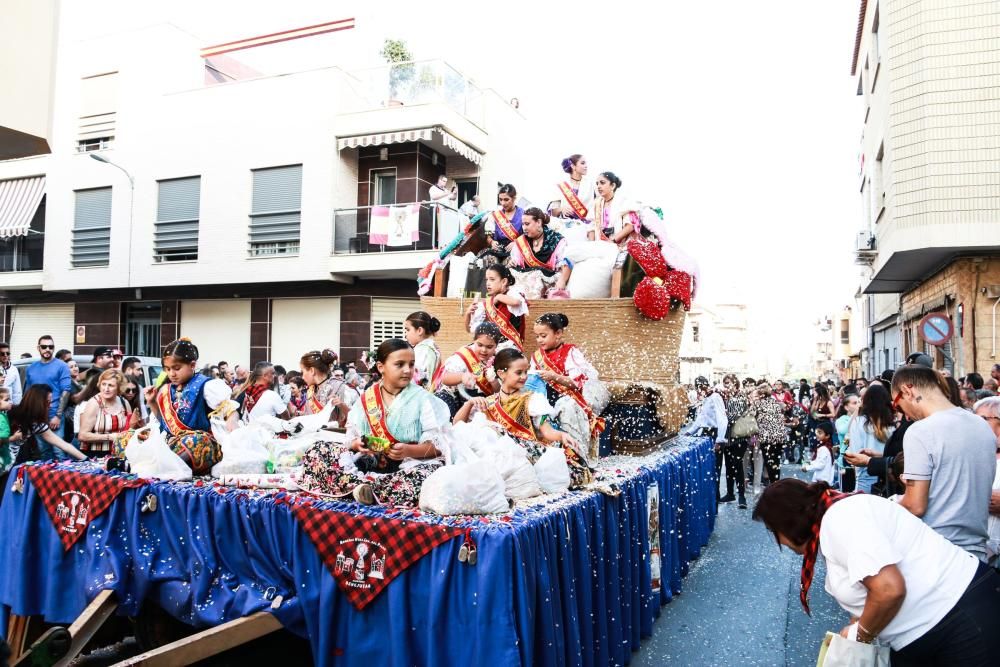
(963, 281)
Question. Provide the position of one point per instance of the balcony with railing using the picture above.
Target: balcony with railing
(413, 95)
(391, 240)
(22, 243)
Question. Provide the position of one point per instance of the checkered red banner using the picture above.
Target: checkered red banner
(365, 553)
(74, 499)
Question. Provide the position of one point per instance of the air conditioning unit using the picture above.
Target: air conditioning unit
(992, 291)
(865, 242)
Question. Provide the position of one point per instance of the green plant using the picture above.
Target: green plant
(395, 51)
(400, 64)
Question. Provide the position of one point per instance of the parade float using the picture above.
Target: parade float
(196, 566)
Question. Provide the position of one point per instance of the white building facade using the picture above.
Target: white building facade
(238, 207)
(929, 175)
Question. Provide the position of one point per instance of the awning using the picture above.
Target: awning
(423, 134)
(19, 199)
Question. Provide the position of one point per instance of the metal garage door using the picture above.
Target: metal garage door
(32, 322)
(220, 329)
(301, 325)
(388, 316)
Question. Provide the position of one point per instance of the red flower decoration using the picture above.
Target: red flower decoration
(678, 285)
(647, 255)
(652, 298)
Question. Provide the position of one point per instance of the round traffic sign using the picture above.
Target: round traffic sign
(936, 329)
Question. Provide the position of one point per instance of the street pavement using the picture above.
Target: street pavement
(740, 603)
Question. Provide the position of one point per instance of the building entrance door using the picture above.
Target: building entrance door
(142, 329)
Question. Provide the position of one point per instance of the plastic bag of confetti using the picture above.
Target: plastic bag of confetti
(150, 456)
(244, 450)
(464, 488)
(312, 423)
(552, 470)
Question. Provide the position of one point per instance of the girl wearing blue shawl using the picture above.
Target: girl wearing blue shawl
(392, 435)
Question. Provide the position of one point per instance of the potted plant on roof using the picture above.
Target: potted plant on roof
(401, 69)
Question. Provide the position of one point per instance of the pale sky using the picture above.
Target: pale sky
(740, 119)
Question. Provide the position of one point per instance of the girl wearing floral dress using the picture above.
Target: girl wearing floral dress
(525, 416)
(470, 369)
(420, 328)
(392, 436)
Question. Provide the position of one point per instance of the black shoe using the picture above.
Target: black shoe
(743, 502)
(728, 498)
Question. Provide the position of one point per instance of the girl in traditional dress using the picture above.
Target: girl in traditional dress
(392, 432)
(615, 218)
(420, 328)
(504, 224)
(317, 371)
(185, 405)
(525, 416)
(505, 307)
(575, 195)
(564, 371)
(540, 247)
(470, 368)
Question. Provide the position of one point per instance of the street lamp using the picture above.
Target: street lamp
(131, 207)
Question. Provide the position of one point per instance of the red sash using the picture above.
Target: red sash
(544, 362)
(574, 201)
(496, 413)
(375, 413)
(476, 368)
(167, 411)
(314, 403)
(523, 244)
(496, 315)
(504, 223)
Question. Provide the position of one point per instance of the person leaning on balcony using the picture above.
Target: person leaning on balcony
(446, 201)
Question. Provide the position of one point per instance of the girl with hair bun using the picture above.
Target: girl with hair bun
(526, 416)
(541, 248)
(504, 224)
(420, 328)
(575, 193)
(615, 218)
(565, 372)
(317, 370)
(185, 402)
(469, 369)
(393, 432)
(504, 307)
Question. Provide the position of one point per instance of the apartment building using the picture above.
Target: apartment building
(178, 191)
(929, 177)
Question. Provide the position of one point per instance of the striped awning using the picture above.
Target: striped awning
(19, 199)
(422, 134)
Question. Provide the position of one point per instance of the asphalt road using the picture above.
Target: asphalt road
(740, 604)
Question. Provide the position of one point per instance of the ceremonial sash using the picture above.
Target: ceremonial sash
(314, 404)
(523, 244)
(505, 225)
(170, 417)
(375, 413)
(599, 219)
(476, 368)
(543, 362)
(495, 411)
(494, 315)
(573, 199)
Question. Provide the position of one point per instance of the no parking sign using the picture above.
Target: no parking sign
(936, 329)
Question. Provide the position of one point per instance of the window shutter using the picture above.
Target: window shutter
(98, 106)
(177, 213)
(92, 228)
(275, 215)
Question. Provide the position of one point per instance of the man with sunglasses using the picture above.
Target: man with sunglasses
(9, 377)
(49, 370)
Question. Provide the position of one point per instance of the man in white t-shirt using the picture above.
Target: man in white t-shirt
(949, 460)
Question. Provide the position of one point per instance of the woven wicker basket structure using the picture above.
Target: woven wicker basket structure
(624, 346)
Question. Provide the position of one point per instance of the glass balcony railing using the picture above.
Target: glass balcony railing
(22, 253)
(422, 82)
(394, 228)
